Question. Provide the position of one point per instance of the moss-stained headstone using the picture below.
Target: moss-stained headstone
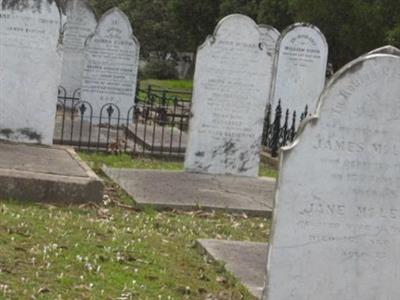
(30, 68)
(231, 89)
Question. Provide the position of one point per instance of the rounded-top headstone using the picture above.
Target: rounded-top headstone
(269, 36)
(300, 68)
(30, 69)
(336, 219)
(386, 50)
(231, 88)
(81, 22)
(111, 66)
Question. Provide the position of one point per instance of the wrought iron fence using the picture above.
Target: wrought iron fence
(156, 124)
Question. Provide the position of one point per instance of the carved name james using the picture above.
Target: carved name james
(30, 69)
(81, 23)
(300, 68)
(336, 232)
(231, 88)
(111, 66)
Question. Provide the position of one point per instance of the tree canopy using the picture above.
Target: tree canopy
(352, 27)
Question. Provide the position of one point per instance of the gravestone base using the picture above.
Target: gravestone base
(46, 174)
(245, 260)
(190, 191)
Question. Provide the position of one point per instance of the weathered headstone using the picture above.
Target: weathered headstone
(81, 23)
(229, 100)
(386, 50)
(300, 68)
(111, 65)
(336, 227)
(30, 69)
(269, 36)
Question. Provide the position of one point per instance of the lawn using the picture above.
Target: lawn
(113, 251)
(181, 85)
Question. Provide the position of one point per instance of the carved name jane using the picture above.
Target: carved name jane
(111, 65)
(231, 88)
(30, 69)
(300, 68)
(336, 232)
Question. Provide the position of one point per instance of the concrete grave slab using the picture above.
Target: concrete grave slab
(189, 191)
(245, 260)
(158, 138)
(46, 174)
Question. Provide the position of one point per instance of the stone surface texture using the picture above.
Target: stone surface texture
(30, 69)
(300, 68)
(245, 260)
(111, 66)
(386, 50)
(46, 174)
(188, 191)
(270, 36)
(81, 23)
(229, 100)
(336, 224)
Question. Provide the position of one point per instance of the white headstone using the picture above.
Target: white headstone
(269, 36)
(30, 69)
(300, 68)
(81, 23)
(231, 88)
(386, 50)
(336, 226)
(111, 65)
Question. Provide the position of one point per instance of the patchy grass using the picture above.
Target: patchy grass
(107, 252)
(96, 160)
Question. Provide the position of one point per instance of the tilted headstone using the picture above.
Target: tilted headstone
(111, 66)
(269, 36)
(231, 88)
(30, 69)
(81, 23)
(336, 224)
(386, 50)
(300, 68)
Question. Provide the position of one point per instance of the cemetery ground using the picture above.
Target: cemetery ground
(116, 251)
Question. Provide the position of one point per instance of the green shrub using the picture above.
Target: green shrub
(160, 69)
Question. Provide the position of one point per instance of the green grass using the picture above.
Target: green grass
(182, 85)
(52, 252)
(108, 252)
(96, 160)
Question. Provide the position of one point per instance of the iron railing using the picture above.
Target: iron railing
(156, 124)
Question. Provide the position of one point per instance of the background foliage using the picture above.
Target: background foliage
(352, 27)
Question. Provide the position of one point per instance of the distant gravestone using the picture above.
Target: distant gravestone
(30, 69)
(229, 100)
(386, 50)
(81, 23)
(111, 65)
(336, 232)
(269, 36)
(300, 68)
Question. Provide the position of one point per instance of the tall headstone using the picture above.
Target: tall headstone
(111, 65)
(386, 50)
(336, 226)
(81, 23)
(30, 69)
(231, 88)
(300, 68)
(269, 36)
